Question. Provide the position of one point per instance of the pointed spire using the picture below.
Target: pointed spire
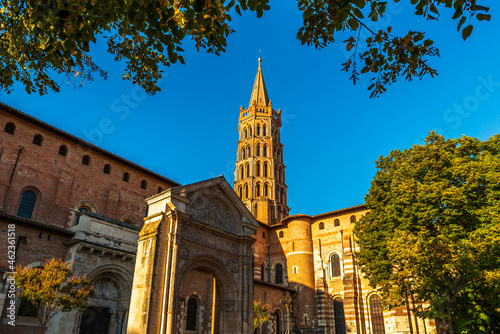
(259, 91)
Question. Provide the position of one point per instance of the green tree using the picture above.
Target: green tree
(260, 313)
(52, 289)
(432, 234)
(41, 40)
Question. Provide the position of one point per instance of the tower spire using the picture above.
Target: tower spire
(259, 91)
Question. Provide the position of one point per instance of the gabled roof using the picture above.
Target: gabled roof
(259, 91)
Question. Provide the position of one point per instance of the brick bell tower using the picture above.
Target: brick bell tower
(259, 176)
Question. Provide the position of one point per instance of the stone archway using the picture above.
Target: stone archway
(210, 281)
(195, 243)
(108, 308)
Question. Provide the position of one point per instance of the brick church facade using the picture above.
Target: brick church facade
(202, 253)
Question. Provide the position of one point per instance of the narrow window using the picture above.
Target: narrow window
(248, 151)
(240, 192)
(262, 272)
(86, 160)
(353, 219)
(281, 234)
(263, 130)
(277, 318)
(266, 190)
(250, 131)
(335, 263)
(321, 226)
(107, 169)
(247, 170)
(126, 177)
(295, 269)
(27, 204)
(10, 128)
(338, 310)
(192, 310)
(257, 150)
(246, 191)
(264, 170)
(144, 184)
(278, 274)
(264, 151)
(37, 140)
(242, 173)
(63, 150)
(257, 133)
(257, 190)
(263, 235)
(376, 315)
(245, 133)
(336, 222)
(257, 169)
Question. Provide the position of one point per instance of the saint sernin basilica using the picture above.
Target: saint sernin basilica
(203, 253)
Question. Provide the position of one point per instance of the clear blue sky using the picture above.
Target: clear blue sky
(332, 132)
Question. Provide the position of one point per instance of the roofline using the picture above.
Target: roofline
(300, 215)
(79, 141)
(56, 228)
(321, 215)
(351, 208)
(272, 285)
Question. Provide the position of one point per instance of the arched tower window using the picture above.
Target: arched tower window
(240, 192)
(257, 150)
(126, 177)
(265, 169)
(37, 140)
(336, 222)
(27, 204)
(63, 150)
(144, 184)
(191, 314)
(10, 128)
(247, 170)
(335, 265)
(257, 190)
(264, 150)
(245, 133)
(376, 315)
(257, 130)
(353, 219)
(281, 234)
(257, 169)
(278, 274)
(338, 310)
(248, 151)
(264, 130)
(246, 191)
(321, 226)
(250, 131)
(107, 169)
(242, 153)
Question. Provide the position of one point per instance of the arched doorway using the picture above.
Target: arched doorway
(95, 320)
(108, 308)
(207, 294)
